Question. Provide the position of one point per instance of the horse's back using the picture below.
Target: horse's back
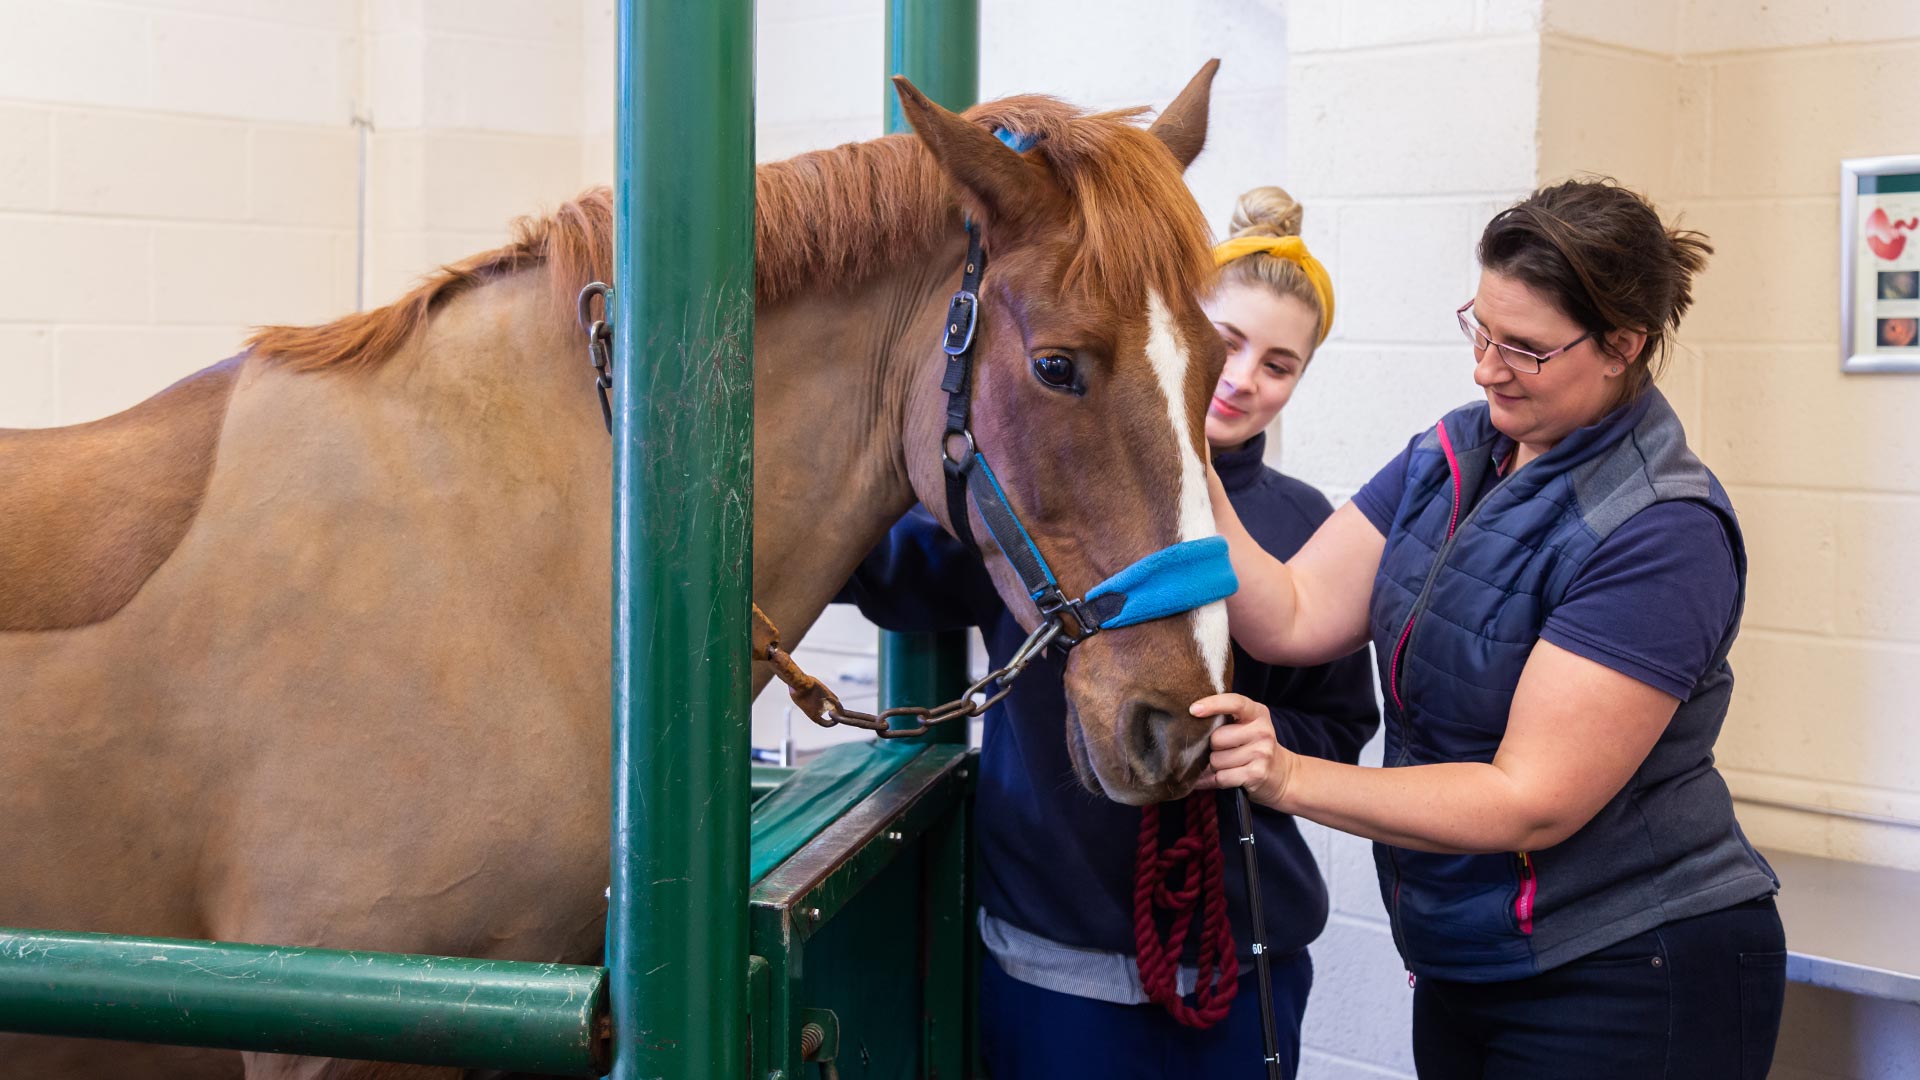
(91, 511)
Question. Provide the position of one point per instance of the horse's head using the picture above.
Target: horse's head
(1092, 368)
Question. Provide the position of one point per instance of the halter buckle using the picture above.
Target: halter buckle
(963, 314)
(1053, 604)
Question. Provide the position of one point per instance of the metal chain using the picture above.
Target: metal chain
(969, 704)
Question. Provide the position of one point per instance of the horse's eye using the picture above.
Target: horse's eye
(1056, 370)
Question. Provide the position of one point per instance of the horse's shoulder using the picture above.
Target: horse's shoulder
(89, 512)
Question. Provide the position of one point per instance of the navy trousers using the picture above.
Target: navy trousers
(1694, 999)
(1027, 1033)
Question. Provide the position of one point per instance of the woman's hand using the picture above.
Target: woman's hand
(1246, 753)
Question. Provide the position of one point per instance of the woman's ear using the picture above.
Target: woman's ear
(1622, 346)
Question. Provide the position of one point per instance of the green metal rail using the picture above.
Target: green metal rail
(428, 1010)
(936, 43)
(683, 533)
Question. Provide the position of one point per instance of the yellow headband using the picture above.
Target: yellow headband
(1294, 250)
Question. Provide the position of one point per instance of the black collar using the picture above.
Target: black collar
(1241, 467)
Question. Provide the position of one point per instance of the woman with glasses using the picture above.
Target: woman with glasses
(1061, 993)
(1551, 581)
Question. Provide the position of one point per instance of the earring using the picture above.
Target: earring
(1614, 370)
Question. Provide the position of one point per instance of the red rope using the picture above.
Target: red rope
(1202, 892)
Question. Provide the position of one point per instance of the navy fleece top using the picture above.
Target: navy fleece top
(1056, 860)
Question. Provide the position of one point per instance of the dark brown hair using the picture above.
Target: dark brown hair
(1604, 257)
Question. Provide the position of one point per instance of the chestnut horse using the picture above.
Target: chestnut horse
(310, 648)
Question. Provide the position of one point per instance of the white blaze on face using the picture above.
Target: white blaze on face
(1170, 360)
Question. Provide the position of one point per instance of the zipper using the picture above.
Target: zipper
(1523, 900)
(1453, 525)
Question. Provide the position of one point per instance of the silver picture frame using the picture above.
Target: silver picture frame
(1861, 348)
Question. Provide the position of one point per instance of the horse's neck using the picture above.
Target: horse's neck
(841, 377)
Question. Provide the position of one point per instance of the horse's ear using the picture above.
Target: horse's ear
(1183, 124)
(1006, 185)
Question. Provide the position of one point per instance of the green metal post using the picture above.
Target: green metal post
(936, 43)
(683, 530)
(427, 1010)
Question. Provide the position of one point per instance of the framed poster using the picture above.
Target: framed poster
(1880, 264)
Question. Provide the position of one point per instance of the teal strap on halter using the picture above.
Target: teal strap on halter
(1169, 581)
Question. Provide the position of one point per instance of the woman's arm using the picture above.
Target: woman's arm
(1577, 732)
(1312, 609)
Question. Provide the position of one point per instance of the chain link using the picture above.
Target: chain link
(967, 705)
(599, 343)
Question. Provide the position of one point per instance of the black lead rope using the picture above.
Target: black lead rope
(1270, 1037)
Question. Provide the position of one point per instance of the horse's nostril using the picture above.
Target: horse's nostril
(1145, 727)
(1163, 746)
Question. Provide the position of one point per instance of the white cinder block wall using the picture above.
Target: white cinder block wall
(173, 171)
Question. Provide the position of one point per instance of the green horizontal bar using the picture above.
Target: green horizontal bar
(427, 1010)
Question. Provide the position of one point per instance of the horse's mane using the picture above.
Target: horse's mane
(836, 217)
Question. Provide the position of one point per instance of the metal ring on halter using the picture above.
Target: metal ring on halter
(958, 465)
(594, 288)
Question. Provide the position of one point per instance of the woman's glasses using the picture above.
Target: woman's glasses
(1522, 360)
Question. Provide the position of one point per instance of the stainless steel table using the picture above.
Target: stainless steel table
(1850, 926)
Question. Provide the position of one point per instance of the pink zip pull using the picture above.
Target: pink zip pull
(1523, 902)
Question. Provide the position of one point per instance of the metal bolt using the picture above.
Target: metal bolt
(896, 837)
(1657, 962)
(813, 915)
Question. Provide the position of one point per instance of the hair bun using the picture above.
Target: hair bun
(1267, 211)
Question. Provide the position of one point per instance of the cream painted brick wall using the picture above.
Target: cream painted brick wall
(1878, 578)
(1784, 415)
(138, 165)
(1403, 121)
(1792, 558)
(26, 158)
(304, 176)
(99, 370)
(1629, 132)
(1783, 121)
(240, 274)
(1721, 26)
(26, 376)
(56, 268)
(75, 53)
(1774, 272)
(224, 66)
(1646, 26)
(1830, 710)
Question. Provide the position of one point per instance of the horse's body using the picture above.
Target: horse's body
(311, 647)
